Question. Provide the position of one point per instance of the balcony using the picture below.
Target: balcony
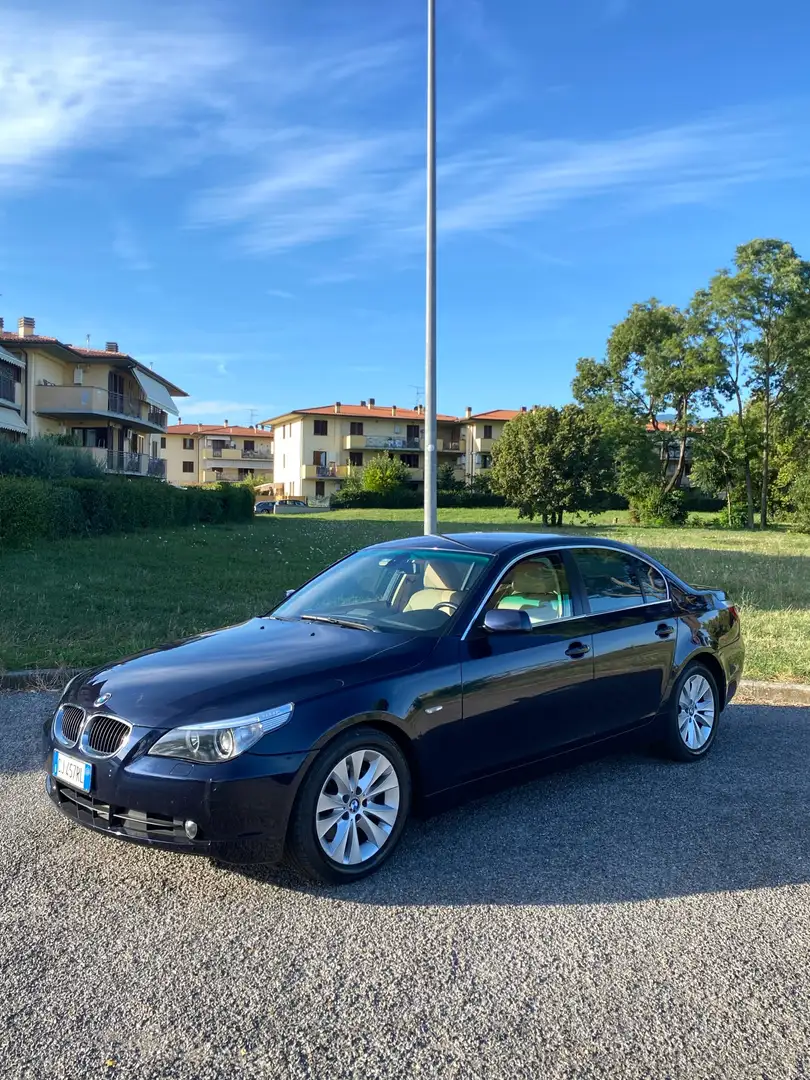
(7, 390)
(387, 442)
(94, 403)
(484, 445)
(331, 471)
(231, 452)
(445, 446)
(123, 463)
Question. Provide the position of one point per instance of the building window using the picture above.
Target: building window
(162, 442)
(486, 461)
(249, 446)
(357, 427)
(9, 375)
(487, 431)
(188, 444)
(320, 488)
(321, 427)
(411, 460)
(412, 432)
(356, 457)
(188, 466)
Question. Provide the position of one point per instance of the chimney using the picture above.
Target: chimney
(111, 346)
(25, 326)
(1, 324)
(362, 403)
(225, 424)
(468, 412)
(199, 426)
(393, 410)
(337, 406)
(523, 408)
(371, 402)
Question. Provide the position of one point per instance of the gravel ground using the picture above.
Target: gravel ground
(625, 918)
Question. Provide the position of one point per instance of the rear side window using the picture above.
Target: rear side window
(613, 580)
(653, 585)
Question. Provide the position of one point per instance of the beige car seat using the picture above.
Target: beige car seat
(440, 586)
(534, 586)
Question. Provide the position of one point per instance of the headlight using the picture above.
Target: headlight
(220, 740)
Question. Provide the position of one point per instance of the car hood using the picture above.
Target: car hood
(241, 669)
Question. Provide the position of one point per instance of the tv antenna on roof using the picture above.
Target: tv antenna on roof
(420, 391)
(252, 415)
(87, 339)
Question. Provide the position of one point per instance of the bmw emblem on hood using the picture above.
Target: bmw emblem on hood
(101, 699)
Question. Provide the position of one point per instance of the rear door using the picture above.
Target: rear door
(525, 694)
(634, 631)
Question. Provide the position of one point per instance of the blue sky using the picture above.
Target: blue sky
(234, 191)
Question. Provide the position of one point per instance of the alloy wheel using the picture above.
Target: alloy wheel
(358, 807)
(696, 712)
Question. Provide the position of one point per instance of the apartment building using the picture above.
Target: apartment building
(316, 448)
(482, 432)
(205, 453)
(105, 399)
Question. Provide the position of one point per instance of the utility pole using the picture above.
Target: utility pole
(431, 526)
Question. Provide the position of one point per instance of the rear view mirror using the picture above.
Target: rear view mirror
(507, 621)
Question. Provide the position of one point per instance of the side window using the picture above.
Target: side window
(611, 579)
(537, 585)
(653, 585)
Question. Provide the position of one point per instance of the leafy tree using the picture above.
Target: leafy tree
(384, 474)
(723, 309)
(446, 478)
(659, 360)
(773, 286)
(719, 461)
(549, 460)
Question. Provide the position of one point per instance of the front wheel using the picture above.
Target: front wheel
(351, 809)
(693, 714)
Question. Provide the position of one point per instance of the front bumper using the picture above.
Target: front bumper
(241, 808)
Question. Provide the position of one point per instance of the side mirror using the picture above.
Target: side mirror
(507, 621)
(289, 592)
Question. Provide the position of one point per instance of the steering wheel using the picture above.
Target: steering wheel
(453, 608)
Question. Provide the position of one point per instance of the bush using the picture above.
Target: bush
(411, 499)
(48, 457)
(657, 507)
(800, 497)
(33, 509)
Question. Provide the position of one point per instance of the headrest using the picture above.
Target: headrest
(534, 579)
(443, 574)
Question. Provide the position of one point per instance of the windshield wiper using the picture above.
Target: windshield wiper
(336, 621)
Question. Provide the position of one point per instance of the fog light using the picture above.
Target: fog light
(191, 828)
(48, 783)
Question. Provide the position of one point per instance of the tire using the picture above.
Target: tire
(685, 733)
(331, 845)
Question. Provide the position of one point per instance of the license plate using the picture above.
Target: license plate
(72, 771)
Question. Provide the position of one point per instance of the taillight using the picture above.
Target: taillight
(735, 615)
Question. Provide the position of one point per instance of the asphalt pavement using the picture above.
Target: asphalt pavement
(624, 918)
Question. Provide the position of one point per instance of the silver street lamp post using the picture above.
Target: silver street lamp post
(430, 281)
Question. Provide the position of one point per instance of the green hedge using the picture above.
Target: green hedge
(409, 499)
(33, 509)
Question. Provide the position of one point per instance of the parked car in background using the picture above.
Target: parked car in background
(291, 502)
(406, 675)
(264, 506)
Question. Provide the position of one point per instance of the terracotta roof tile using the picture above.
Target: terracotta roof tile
(218, 429)
(496, 414)
(377, 412)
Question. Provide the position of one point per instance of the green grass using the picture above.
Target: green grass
(83, 602)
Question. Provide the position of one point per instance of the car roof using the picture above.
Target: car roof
(499, 543)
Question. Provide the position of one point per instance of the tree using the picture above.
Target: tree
(719, 462)
(384, 474)
(659, 360)
(773, 285)
(722, 307)
(446, 478)
(549, 460)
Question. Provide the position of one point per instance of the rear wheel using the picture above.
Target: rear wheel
(693, 714)
(351, 809)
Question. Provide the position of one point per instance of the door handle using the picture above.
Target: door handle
(664, 630)
(577, 649)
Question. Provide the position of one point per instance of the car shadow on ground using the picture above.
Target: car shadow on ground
(624, 828)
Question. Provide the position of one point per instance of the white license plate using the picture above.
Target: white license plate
(72, 771)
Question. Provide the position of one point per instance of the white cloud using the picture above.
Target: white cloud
(281, 294)
(127, 247)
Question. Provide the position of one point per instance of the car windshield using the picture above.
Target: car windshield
(389, 590)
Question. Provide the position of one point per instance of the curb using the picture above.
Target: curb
(750, 692)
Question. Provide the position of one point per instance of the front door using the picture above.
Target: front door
(526, 695)
(634, 632)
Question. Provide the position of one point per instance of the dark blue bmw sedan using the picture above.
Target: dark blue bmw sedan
(406, 675)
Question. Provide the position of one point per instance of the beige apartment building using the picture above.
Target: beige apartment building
(316, 448)
(205, 453)
(482, 432)
(106, 400)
